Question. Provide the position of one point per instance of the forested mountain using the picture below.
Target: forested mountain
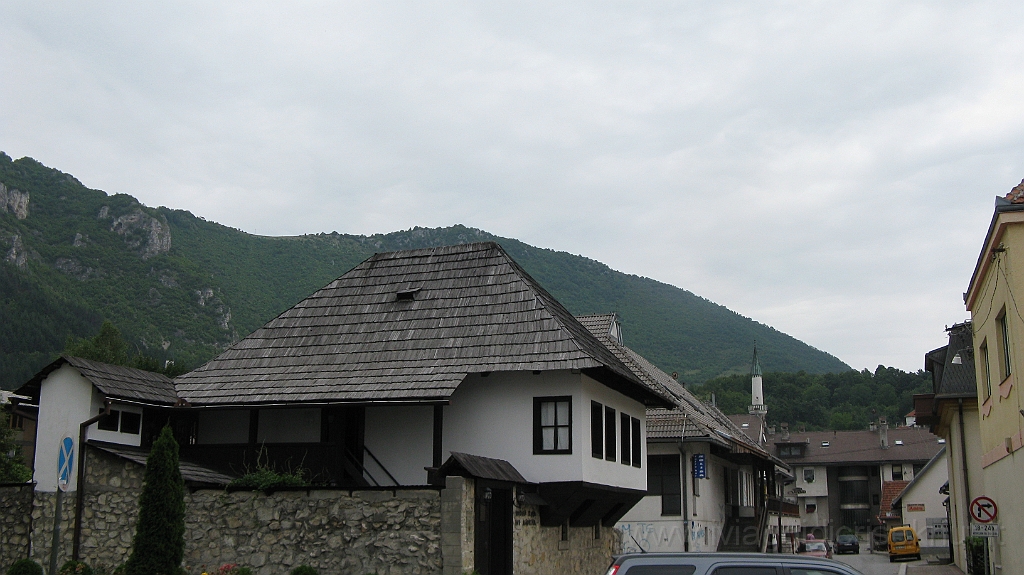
(847, 400)
(182, 288)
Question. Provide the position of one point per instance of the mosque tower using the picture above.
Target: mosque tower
(757, 406)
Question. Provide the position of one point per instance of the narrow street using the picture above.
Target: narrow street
(875, 563)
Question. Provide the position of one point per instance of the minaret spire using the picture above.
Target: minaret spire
(757, 406)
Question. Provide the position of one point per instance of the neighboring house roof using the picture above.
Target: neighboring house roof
(409, 326)
(464, 464)
(919, 475)
(951, 380)
(751, 425)
(190, 472)
(890, 489)
(690, 418)
(863, 446)
(113, 381)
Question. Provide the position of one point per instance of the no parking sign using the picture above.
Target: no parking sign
(65, 462)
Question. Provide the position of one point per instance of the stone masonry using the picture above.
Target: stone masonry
(15, 523)
(384, 532)
(392, 532)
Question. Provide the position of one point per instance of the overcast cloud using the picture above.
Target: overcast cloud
(825, 168)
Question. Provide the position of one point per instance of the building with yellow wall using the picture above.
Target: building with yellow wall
(993, 298)
(951, 411)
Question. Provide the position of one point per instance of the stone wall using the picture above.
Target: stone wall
(383, 532)
(42, 527)
(387, 532)
(538, 550)
(457, 521)
(15, 523)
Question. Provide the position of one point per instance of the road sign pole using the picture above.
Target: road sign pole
(56, 532)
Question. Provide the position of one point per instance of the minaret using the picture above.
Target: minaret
(757, 406)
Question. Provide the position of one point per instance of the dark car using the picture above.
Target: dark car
(725, 564)
(847, 544)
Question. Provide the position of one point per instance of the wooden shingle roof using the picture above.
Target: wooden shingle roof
(113, 381)
(408, 326)
(689, 417)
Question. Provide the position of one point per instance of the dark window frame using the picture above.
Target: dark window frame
(893, 472)
(111, 422)
(624, 431)
(131, 422)
(597, 430)
(638, 442)
(538, 429)
(664, 478)
(1004, 343)
(609, 433)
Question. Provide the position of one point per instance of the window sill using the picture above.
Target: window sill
(986, 407)
(1005, 387)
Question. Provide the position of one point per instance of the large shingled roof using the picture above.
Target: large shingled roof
(409, 326)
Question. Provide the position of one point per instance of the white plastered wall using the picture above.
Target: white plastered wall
(926, 493)
(644, 526)
(493, 417)
(65, 400)
(402, 438)
(707, 510)
(94, 432)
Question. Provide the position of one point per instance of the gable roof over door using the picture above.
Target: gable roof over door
(409, 326)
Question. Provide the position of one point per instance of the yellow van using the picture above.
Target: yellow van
(903, 542)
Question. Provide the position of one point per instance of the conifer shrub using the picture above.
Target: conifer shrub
(25, 567)
(159, 543)
(304, 570)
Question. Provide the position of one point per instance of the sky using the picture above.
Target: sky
(825, 168)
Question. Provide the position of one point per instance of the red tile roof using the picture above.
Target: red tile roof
(890, 490)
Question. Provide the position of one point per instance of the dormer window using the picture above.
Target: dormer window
(791, 451)
(407, 295)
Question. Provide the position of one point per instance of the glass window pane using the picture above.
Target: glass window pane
(548, 437)
(563, 412)
(547, 413)
(130, 422)
(563, 438)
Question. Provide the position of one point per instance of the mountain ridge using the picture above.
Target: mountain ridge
(183, 288)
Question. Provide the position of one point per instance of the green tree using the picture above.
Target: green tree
(12, 469)
(107, 346)
(159, 542)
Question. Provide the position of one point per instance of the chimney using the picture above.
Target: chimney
(883, 432)
(784, 428)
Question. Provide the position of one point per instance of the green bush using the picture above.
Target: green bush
(264, 478)
(25, 567)
(304, 570)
